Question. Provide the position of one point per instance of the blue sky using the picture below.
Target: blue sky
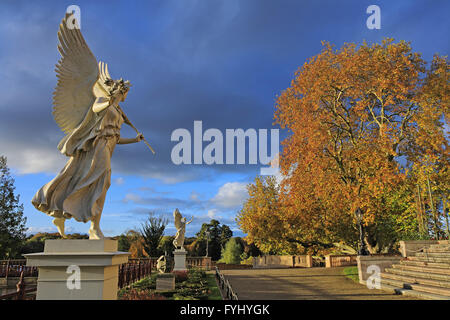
(221, 62)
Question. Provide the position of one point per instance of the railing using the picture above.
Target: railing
(135, 270)
(199, 262)
(225, 286)
(23, 292)
(332, 261)
(283, 261)
(14, 268)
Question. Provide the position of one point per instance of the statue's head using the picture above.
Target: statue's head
(118, 88)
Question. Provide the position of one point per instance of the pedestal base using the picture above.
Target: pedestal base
(77, 269)
(179, 256)
(165, 282)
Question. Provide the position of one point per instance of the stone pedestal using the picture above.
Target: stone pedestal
(179, 256)
(165, 282)
(77, 269)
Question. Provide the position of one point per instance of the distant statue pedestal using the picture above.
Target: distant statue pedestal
(78, 269)
(165, 282)
(179, 256)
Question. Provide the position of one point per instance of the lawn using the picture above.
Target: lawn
(352, 273)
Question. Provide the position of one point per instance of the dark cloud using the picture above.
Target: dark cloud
(222, 62)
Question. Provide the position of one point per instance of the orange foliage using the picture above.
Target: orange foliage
(351, 113)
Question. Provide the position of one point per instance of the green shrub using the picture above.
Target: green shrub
(146, 283)
(232, 252)
(180, 297)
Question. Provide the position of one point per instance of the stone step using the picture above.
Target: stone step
(412, 293)
(410, 262)
(437, 250)
(416, 280)
(417, 287)
(419, 274)
(445, 260)
(441, 245)
(423, 269)
(428, 253)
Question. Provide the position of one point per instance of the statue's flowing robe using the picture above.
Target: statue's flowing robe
(79, 190)
(179, 237)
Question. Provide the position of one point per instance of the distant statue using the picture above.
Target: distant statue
(164, 264)
(161, 264)
(180, 224)
(86, 108)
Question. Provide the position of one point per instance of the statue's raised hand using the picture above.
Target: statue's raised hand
(139, 137)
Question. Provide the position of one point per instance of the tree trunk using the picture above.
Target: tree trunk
(433, 211)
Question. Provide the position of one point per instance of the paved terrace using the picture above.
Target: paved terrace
(301, 284)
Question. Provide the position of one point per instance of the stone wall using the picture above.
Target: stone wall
(367, 265)
(286, 261)
(304, 261)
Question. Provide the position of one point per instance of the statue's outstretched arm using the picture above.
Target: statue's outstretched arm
(138, 138)
(190, 220)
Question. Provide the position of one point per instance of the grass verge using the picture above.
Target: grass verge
(351, 273)
(212, 285)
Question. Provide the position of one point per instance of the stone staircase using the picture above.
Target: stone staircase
(426, 274)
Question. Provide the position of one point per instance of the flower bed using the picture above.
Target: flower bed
(190, 285)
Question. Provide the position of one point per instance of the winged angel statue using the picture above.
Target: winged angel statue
(86, 108)
(180, 224)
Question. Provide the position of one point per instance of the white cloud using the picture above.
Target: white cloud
(29, 159)
(231, 195)
(119, 181)
(34, 230)
(49, 229)
(212, 213)
(132, 197)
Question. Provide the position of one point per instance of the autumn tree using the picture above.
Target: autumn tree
(430, 155)
(355, 116)
(271, 227)
(261, 217)
(126, 239)
(12, 221)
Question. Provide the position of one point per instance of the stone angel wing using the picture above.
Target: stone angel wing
(77, 72)
(177, 217)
